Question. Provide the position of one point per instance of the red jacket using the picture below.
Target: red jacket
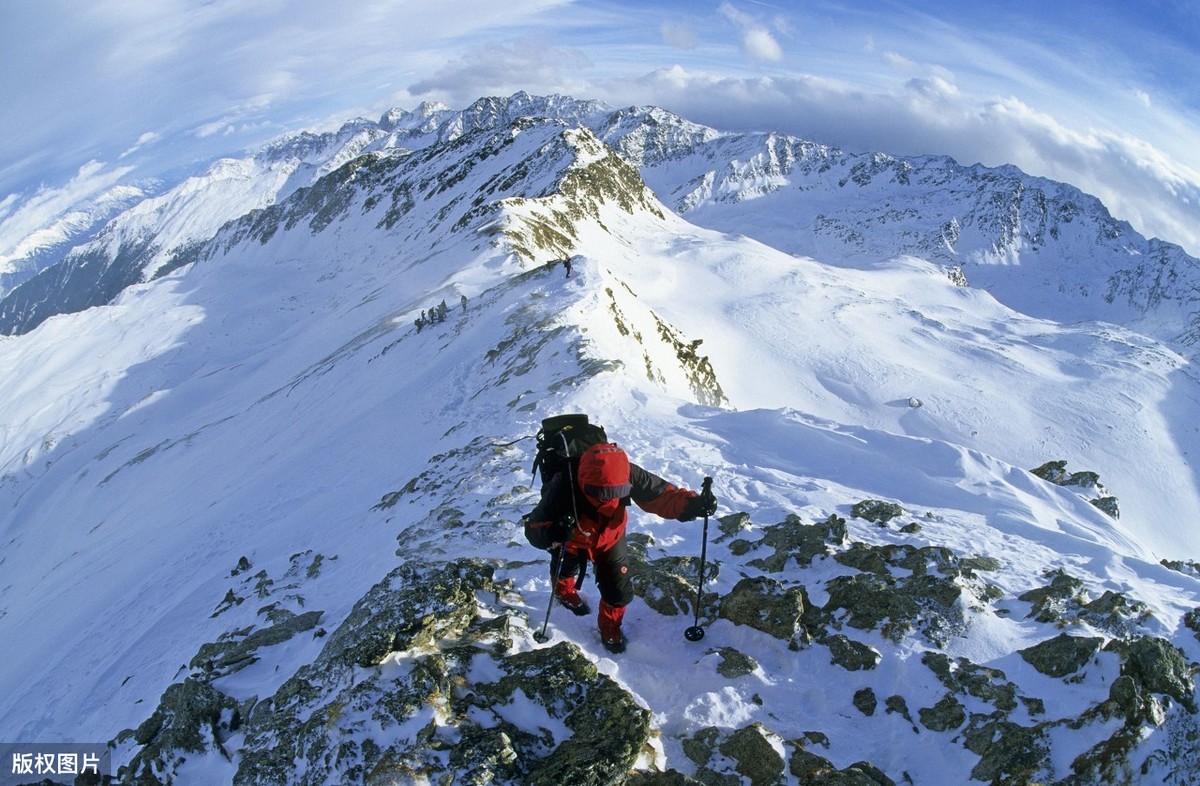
(604, 468)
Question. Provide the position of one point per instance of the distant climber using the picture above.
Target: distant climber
(567, 265)
(462, 299)
(605, 484)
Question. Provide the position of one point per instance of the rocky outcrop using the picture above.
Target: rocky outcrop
(431, 677)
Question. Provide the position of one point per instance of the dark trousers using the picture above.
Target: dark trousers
(611, 568)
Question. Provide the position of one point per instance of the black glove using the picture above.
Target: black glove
(703, 505)
(549, 534)
(561, 530)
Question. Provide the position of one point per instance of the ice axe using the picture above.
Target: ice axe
(695, 633)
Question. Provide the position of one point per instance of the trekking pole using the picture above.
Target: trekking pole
(541, 637)
(695, 633)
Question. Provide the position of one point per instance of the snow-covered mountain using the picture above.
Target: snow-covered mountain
(262, 520)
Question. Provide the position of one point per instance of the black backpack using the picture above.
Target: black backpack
(561, 441)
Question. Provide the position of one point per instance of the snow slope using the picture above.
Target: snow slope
(274, 400)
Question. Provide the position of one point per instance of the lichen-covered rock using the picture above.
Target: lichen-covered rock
(1109, 504)
(960, 675)
(1066, 601)
(192, 717)
(1185, 566)
(1191, 621)
(236, 651)
(897, 606)
(755, 757)
(851, 655)
(1158, 666)
(793, 540)
(701, 745)
(608, 728)
(735, 664)
(1053, 471)
(865, 701)
(1062, 655)
(666, 778)
(1056, 473)
(668, 584)
(476, 711)
(876, 510)
(732, 525)
(1052, 602)
(767, 605)
(1009, 754)
(947, 714)
(811, 769)
(898, 705)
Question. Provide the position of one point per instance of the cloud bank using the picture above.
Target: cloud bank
(1104, 101)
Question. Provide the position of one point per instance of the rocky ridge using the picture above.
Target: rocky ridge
(433, 676)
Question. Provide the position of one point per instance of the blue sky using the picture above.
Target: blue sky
(1101, 94)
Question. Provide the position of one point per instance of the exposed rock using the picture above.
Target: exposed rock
(898, 705)
(960, 675)
(1053, 471)
(1009, 754)
(813, 770)
(977, 563)
(1062, 655)
(756, 759)
(865, 701)
(335, 719)
(235, 651)
(701, 745)
(1056, 472)
(192, 717)
(1191, 621)
(767, 605)
(791, 539)
(947, 714)
(897, 606)
(1187, 567)
(851, 655)
(1157, 666)
(668, 584)
(1051, 602)
(735, 664)
(732, 525)
(608, 727)
(1109, 505)
(667, 778)
(876, 510)
(1066, 601)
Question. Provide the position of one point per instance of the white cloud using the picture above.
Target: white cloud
(678, 35)
(761, 45)
(148, 138)
(503, 67)
(757, 42)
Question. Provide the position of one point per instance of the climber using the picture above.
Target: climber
(590, 527)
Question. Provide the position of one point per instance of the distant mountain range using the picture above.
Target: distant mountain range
(1042, 247)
